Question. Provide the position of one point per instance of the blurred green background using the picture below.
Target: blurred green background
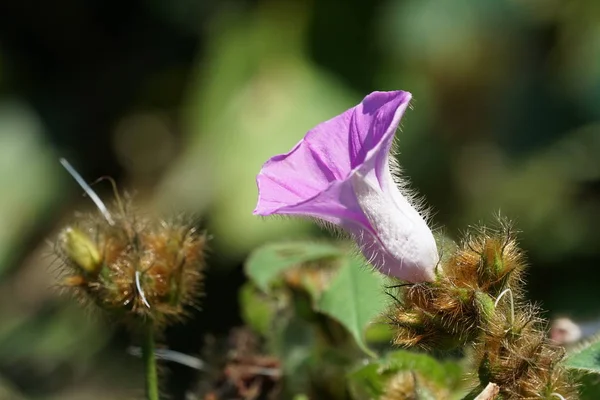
(182, 101)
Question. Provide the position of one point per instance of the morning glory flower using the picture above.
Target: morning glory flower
(342, 173)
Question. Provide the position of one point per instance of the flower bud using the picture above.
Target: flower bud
(80, 250)
(342, 173)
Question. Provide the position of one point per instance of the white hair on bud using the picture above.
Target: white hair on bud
(418, 202)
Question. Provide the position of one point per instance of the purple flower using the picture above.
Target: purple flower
(340, 173)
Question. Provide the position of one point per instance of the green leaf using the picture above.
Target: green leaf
(586, 359)
(379, 334)
(589, 385)
(266, 263)
(369, 381)
(257, 310)
(294, 342)
(354, 298)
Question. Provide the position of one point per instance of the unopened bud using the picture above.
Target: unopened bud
(485, 304)
(409, 320)
(80, 250)
(492, 259)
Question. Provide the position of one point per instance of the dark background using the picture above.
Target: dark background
(182, 101)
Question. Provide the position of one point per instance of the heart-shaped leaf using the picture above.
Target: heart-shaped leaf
(371, 380)
(355, 298)
(586, 359)
(267, 263)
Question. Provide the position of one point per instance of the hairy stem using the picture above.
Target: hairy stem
(150, 364)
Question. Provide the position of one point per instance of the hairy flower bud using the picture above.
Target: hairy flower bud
(80, 250)
(138, 268)
(341, 173)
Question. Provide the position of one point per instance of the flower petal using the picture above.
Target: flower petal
(374, 123)
(330, 151)
(307, 170)
(337, 205)
(340, 173)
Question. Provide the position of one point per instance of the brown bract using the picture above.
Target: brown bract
(148, 270)
(477, 300)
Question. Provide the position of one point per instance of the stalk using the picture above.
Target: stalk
(150, 364)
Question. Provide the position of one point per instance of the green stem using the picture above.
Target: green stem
(150, 364)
